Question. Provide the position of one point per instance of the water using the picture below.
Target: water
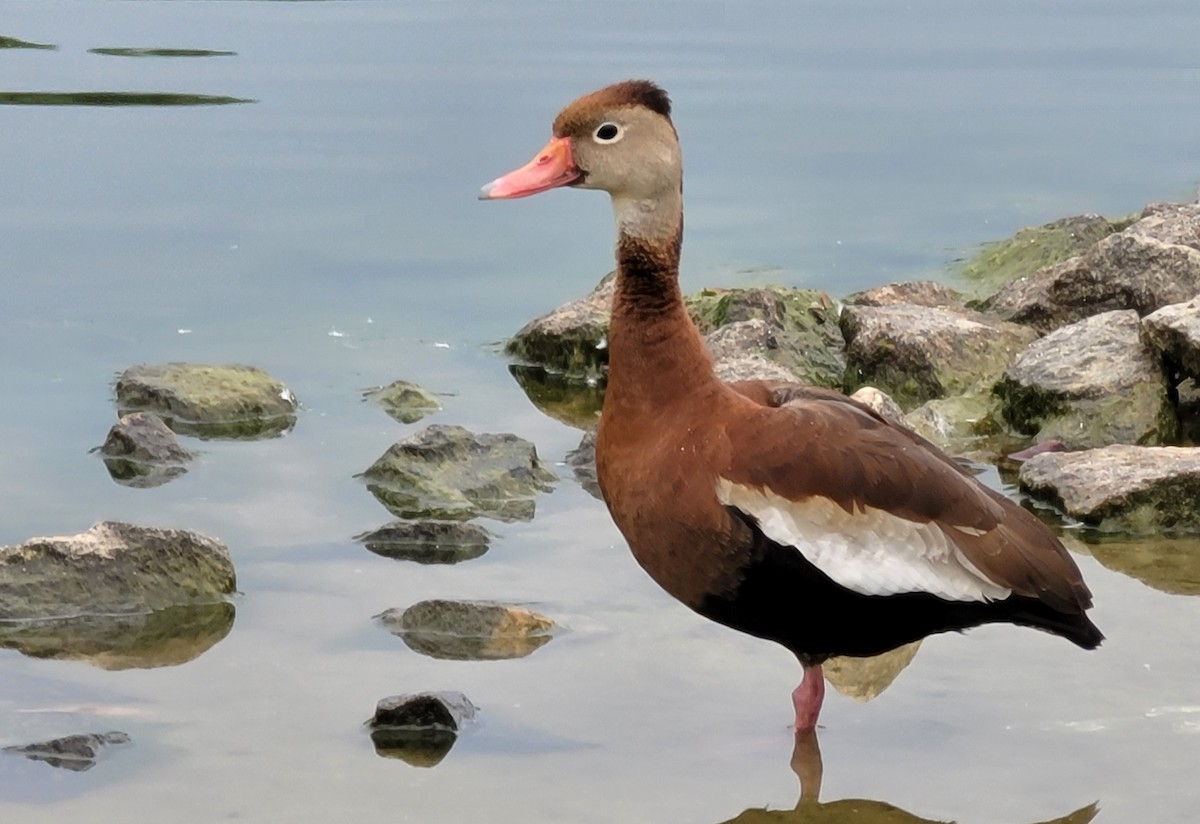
(328, 232)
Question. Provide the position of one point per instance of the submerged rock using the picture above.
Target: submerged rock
(469, 630)
(216, 402)
(77, 753)
(142, 451)
(427, 542)
(1089, 384)
(447, 472)
(421, 728)
(403, 401)
(916, 353)
(1152, 263)
(1121, 488)
(163, 638)
(110, 569)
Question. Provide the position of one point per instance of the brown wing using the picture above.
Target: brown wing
(803, 441)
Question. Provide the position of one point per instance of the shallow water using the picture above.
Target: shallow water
(327, 232)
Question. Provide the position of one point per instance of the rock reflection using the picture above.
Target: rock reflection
(1170, 565)
(76, 753)
(138, 52)
(15, 43)
(572, 401)
(164, 638)
(116, 99)
(806, 763)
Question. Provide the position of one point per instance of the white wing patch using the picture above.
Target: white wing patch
(871, 551)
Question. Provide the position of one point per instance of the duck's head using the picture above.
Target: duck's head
(618, 139)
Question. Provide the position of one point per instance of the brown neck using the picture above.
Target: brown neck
(655, 352)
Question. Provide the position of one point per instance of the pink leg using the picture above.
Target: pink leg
(807, 698)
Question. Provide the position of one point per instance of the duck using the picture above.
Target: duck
(785, 511)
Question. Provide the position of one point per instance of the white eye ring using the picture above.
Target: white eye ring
(608, 132)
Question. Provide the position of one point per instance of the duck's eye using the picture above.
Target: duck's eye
(608, 133)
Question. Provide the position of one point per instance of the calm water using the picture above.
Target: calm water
(328, 232)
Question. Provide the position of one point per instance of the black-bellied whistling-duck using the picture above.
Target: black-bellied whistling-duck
(787, 512)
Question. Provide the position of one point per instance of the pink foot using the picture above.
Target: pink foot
(807, 698)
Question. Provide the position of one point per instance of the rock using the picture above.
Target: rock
(1089, 384)
(909, 293)
(469, 630)
(448, 473)
(1153, 263)
(442, 710)
(142, 451)
(864, 679)
(77, 753)
(427, 542)
(1034, 248)
(420, 729)
(1121, 488)
(757, 350)
(570, 400)
(111, 569)
(570, 339)
(882, 404)
(1170, 565)
(915, 353)
(968, 425)
(1174, 332)
(226, 402)
(799, 329)
(582, 460)
(163, 638)
(403, 401)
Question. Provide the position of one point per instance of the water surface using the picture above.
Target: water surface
(327, 231)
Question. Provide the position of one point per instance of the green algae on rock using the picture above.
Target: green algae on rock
(228, 402)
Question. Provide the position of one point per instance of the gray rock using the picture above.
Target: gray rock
(420, 729)
(449, 473)
(1174, 332)
(915, 353)
(1153, 263)
(427, 542)
(469, 630)
(163, 638)
(1089, 384)
(796, 329)
(908, 293)
(112, 568)
(142, 451)
(1121, 488)
(226, 402)
(403, 401)
(77, 753)
(882, 404)
(570, 339)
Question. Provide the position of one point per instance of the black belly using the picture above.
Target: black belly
(784, 598)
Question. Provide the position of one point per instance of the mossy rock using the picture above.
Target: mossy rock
(403, 401)
(228, 402)
(1032, 248)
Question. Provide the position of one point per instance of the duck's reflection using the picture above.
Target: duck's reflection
(809, 809)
